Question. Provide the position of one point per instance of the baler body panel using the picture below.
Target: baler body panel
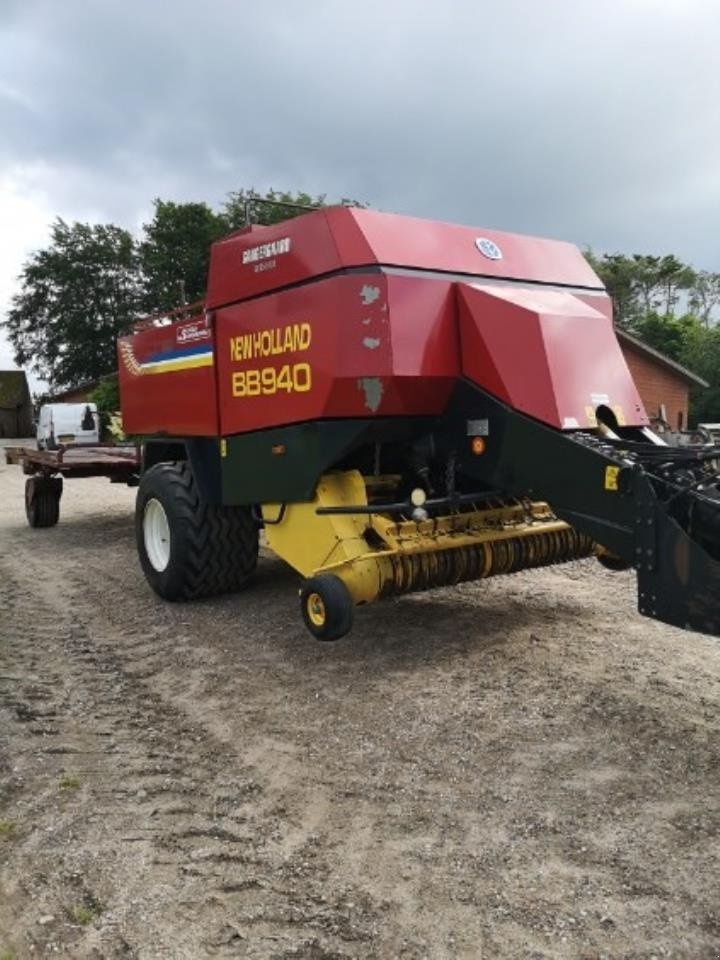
(347, 313)
(547, 353)
(353, 345)
(256, 261)
(167, 380)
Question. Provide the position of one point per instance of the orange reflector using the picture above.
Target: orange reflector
(478, 445)
(279, 449)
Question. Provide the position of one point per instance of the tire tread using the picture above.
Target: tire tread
(221, 543)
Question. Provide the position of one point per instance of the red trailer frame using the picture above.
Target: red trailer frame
(119, 463)
(46, 469)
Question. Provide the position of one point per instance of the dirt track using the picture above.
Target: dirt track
(521, 768)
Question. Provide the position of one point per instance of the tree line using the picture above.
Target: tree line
(92, 281)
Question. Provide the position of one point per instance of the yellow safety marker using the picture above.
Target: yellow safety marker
(611, 478)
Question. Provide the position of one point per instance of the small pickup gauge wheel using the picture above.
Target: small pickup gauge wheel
(327, 607)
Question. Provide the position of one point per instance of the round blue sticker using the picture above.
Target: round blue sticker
(488, 248)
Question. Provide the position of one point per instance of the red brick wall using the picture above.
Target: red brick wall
(656, 384)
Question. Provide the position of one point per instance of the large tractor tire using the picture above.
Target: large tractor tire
(42, 500)
(188, 548)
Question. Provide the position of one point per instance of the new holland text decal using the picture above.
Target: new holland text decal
(259, 381)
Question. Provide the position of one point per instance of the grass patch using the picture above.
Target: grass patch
(69, 782)
(84, 915)
(7, 829)
(7, 955)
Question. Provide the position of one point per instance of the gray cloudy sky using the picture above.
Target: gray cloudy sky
(597, 122)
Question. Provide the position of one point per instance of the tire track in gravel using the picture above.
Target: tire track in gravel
(175, 818)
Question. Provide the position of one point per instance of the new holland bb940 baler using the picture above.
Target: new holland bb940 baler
(404, 404)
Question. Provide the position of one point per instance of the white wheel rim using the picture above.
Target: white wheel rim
(156, 534)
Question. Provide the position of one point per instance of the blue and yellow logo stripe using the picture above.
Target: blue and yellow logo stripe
(169, 361)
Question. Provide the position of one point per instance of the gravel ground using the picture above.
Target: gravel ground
(517, 768)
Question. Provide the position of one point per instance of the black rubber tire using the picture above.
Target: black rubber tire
(213, 549)
(339, 608)
(44, 509)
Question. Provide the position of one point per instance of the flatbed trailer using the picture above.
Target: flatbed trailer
(46, 470)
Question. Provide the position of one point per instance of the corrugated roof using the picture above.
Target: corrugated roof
(14, 391)
(678, 368)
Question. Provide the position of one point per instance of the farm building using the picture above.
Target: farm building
(663, 384)
(16, 419)
(80, 393)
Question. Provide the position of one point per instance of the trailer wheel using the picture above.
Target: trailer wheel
(327, 607)
(42, 500)
(189, 548)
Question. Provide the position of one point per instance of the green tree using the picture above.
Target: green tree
(75, 297)
(646, 281)
(618, 273)
(704, 295)
(666, 333)
(673, 276)
(175, 253)
(642, 285)
(106, 395)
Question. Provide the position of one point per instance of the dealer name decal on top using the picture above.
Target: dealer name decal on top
(262, 381)
(263, 256)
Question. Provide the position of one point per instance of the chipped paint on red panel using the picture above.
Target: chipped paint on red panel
(373, 345)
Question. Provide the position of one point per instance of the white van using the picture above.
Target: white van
(67, 423)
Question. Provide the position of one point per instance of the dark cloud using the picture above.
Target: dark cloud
(592, 122)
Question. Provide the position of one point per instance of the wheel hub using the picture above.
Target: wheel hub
(316, 609)
(156, 535)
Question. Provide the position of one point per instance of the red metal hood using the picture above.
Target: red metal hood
(252, 262)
